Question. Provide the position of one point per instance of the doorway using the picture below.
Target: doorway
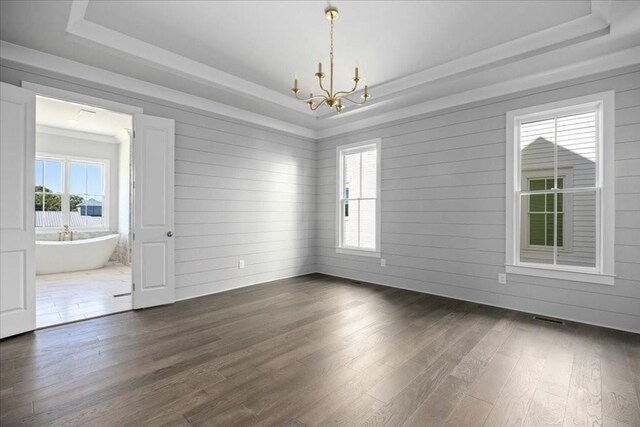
(82, 211)
(150, 217)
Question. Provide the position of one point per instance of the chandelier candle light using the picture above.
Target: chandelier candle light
(331, 99)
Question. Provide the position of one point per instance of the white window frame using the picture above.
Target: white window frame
(603, 273)
(66, 196)
(341, 151)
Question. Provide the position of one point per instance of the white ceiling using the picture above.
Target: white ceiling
(269, 42)
(59, 114)
(238, 58)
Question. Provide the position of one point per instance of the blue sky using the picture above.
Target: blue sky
(83, 178)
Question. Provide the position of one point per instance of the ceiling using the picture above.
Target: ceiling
(239, 58)
(54, 113)
(269, 42)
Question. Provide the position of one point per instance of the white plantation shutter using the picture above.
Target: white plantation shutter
(352, 175)
(369, 165)
(358, 194)
(369, 171)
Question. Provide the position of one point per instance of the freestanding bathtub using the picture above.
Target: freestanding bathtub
(75, 255)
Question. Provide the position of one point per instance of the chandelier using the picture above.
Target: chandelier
(330, 98)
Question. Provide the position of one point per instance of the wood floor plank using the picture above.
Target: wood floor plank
(469, 412)
(584, 402)
(320, 350)
(510, 408)
(545, 409)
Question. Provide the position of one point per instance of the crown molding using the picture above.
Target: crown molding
(597, 65)
(45, 61)
(589, 26)
(78, 134)
(571, 32)
(79, 26)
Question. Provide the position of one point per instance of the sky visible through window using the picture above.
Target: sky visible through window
(84, 194)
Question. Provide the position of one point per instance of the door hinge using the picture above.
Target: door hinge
(134, 134)
(133, 285)
(134, 236)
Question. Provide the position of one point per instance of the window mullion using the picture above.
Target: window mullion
(360, 195)
(555, 190)
(66, 203)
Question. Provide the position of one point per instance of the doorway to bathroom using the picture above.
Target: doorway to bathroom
(82, 193)
(74, 186)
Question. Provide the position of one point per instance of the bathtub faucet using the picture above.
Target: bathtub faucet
(62, 235)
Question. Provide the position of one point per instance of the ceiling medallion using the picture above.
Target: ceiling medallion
(330, 98)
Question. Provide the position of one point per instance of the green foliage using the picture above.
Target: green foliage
(53, 202)
(74, 201)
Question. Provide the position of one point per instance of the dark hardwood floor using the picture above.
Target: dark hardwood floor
(319, 350)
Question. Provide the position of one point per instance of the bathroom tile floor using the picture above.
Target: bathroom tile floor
(67, 297)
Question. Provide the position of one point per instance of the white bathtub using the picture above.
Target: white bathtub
(76, 255)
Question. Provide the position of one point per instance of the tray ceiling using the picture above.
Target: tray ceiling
(238, 58)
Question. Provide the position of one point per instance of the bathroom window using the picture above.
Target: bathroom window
(49, 192)
(71, 192)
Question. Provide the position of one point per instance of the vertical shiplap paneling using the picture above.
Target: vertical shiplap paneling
(443, 220)
(242, 192)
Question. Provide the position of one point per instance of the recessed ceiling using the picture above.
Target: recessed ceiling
(60, 114)
(239, 58)
(270, 42)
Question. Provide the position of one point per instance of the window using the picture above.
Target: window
(49, 192)
(358, 203)
(560, 208)
(70, 192)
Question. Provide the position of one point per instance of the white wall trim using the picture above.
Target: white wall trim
(224, 288)
(574, 276)
(592, 25)
(80, 98)
(539, 311)
(41, 60)
(601, 64)
(56, 64)
(511, 51)
(69, 133)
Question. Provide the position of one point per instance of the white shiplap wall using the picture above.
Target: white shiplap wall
(242, 192)
(443, 208)
(248, 193)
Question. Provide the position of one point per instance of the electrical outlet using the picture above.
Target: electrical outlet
(241, 263)
(383, 262)
(502, 278)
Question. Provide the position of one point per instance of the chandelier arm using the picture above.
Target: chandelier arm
(318, 105)
(343, 93)
(309, 99)
(354, 102)
(322, 87)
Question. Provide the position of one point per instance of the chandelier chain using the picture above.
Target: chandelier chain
(331, 62)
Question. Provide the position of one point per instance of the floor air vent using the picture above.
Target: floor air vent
(122, 295)
(548, 319)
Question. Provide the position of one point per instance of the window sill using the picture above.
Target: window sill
(551, 273)
(45, 230)
(359, 252)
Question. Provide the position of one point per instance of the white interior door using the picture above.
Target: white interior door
(153, 220)
(17, 229)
